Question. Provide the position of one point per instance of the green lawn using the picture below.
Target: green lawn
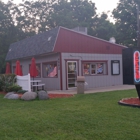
(82, 117)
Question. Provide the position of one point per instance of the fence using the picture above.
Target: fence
(24, 82)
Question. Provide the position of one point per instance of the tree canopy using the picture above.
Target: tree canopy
(125, 15)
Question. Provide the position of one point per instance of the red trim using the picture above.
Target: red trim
(94, 61)
(61, 83)
(66, 75)
(66, 60)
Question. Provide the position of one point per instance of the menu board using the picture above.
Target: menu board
(115, 67)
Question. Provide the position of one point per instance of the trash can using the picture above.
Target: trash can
(80, 84)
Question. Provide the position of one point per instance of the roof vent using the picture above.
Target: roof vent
(49, 38)
(112, 40)
(82, 30)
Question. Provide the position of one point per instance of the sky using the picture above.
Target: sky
(101, 5)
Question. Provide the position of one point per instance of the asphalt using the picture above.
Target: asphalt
(94, 90)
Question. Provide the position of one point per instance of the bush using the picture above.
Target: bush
(14, 87)
(21, 91)
(7, 80)
(1, 85)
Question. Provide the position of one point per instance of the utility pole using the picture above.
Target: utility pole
(138, 26)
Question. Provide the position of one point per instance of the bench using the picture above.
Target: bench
(38, 85)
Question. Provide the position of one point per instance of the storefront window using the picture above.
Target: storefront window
(86, 69)
(94, 68)
(100, 69)
(49, 69)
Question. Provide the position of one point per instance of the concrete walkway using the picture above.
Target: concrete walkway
(95, 90)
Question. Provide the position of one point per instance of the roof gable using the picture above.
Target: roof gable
(75, 42)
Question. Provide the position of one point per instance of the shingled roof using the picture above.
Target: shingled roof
(38, 44)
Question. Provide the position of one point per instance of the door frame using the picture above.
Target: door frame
(77, 63)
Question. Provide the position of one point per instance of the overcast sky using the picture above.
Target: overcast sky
(102, 5)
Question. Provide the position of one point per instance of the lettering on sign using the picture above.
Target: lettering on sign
(136, 59)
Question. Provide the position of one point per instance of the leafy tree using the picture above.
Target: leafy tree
(71, 13)
(82, 13)
(30, 16)
(9, 33)
(103, 28)
(43, 15)
(126, 22)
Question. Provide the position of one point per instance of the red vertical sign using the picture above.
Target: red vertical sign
(136, 66)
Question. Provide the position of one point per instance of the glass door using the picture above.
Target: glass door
(71, 74)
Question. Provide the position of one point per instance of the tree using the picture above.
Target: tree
(30, 16)
(44, 15)
(80, 13)
(103, 28)
(9, 33)
(126, 22)
(71, 13)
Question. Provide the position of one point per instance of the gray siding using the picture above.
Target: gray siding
(50, 83)
(94, 81)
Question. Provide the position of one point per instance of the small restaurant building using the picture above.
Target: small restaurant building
(62, 54)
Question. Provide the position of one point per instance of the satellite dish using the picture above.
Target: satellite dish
(112, 40)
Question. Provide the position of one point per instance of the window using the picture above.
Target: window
(94, 68)
(14, 68)
(86, 69)
(38, 70)
(49, 69)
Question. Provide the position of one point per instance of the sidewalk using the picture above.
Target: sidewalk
(95, 90)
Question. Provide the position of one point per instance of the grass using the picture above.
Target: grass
(82, 117)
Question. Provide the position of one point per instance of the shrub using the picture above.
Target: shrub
(14, 87)
(6, 80)
(21, 91)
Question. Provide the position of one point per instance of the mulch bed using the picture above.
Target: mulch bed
(55, 95)
(51, 95)
(60, 95)
(135, 102)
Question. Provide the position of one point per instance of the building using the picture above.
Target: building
(63, 54)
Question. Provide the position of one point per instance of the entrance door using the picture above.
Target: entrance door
(71, 74)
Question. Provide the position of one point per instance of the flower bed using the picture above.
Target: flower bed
(130, 102)
(60, 95)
